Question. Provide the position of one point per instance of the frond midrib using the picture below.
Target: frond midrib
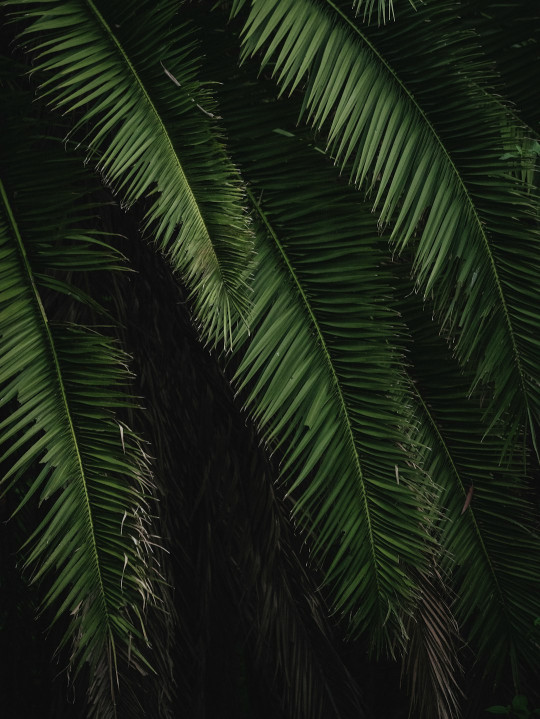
(335, 379)
(64, 400)
(462, 185)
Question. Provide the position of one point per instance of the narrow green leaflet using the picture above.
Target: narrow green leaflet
(128, 72)
(395, 105)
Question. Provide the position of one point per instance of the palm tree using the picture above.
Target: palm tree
(270, 388)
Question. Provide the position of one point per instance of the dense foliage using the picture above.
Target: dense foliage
(270, 357)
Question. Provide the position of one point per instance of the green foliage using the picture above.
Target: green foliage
(413, 146)
(313, 389)
(518, 709)
(344, 213)
(63, 438)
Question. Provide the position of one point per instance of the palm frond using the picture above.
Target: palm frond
(490, 546)
(319, 370)
(64, 442)
(395, 103)
(128, 74)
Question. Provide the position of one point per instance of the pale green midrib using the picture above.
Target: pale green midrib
(163, 129)
(457, 474)
(463, 189)
(61, 387)
(335, 379)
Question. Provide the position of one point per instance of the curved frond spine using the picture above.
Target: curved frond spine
(320, 374)
(62, 444)
(151, 129)
(340, 499)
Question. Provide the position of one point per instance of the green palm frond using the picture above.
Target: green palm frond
(128, 74)
(319, 368)
(62, 387)
(490, 549)
(395, 104)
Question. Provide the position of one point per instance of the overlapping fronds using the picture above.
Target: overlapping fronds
(396, 104)
(319, 369)
(490, 547)
(60, 437)
(128, 74)
(401, 429)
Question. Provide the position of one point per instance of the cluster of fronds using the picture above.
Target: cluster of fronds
(350, 209)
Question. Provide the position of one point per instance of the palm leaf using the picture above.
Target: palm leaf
(128, 74)
(395, 105)
(320, 371)
(491, 551)
(63, 442)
